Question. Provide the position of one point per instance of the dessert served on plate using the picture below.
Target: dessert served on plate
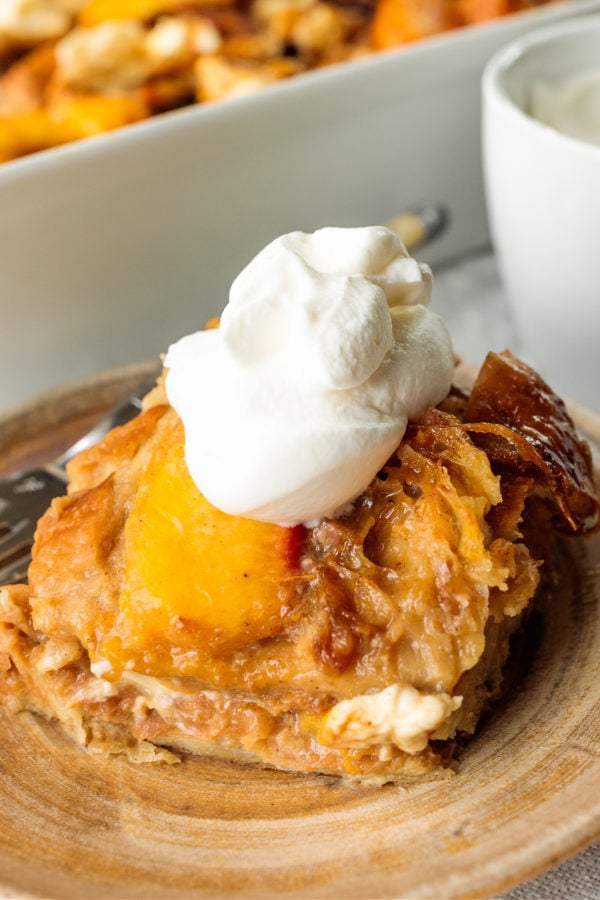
(310, 550)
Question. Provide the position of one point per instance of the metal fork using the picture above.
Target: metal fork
(26, 495)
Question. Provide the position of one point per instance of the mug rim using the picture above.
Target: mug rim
(504, 59)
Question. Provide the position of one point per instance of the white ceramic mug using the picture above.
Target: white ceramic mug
(543, 193)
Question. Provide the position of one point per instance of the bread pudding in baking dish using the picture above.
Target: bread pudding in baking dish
(364, 642)
(73, 69)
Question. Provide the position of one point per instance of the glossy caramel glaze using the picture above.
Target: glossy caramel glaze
(528, 430)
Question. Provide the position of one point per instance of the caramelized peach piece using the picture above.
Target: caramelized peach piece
(97, 11)
(196, 576)
(68, 120)
(86, 115)
(473, 11)
(398, 22)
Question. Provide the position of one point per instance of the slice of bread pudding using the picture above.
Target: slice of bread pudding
(364, 646)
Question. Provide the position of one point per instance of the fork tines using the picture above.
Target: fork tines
(16, 541)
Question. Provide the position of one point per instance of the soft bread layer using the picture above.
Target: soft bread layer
(151, 720)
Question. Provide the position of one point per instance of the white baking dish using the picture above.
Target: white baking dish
(113, 247)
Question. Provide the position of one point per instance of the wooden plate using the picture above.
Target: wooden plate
(525, 796)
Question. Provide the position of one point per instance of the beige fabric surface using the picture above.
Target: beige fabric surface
(576, 879)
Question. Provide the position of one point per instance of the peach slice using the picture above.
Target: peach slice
(396, 23)
(197, 577)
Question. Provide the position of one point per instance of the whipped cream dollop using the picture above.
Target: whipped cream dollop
(325, 350)
(570, 106)
(399, 714)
